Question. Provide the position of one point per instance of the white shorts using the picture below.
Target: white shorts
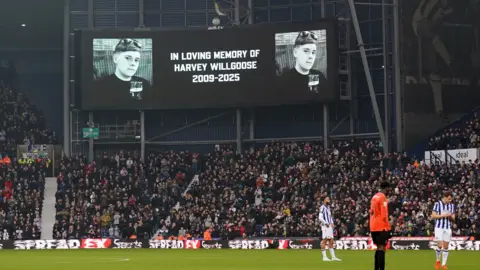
(444, 235)
(327, 233)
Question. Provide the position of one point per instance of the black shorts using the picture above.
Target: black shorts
(380, 238)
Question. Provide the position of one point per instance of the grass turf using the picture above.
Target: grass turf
(144, 259)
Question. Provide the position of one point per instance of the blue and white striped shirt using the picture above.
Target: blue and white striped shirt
(442, 208)
(325, 215)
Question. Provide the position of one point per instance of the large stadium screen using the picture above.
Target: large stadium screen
(190, 68)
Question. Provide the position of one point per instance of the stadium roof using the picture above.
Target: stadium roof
(43, 21)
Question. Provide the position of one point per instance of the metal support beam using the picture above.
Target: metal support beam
(326, 119)
(142, 135)
(250, 9)
(386, 77)
(141, 19)
(252, 124)
(350, 82)
(70, 116)
(374, 49)
(238, 121)
(238, 118)
(90, 141)
(252, 110)
(363, 136)
(339, 123)
(90, 14)
(366, 69)
(187, 126)
(372, 4)
(322, 8)
(263, 140)
(30, 49)
(237, 12)
(67, 142)
(397, 76)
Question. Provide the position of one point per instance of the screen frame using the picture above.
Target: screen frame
(83, 39)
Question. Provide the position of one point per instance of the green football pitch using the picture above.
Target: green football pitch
(144, 259)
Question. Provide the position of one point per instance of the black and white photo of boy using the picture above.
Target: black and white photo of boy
(122, 68)
(302, 59)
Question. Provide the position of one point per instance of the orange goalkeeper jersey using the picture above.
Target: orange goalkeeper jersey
(379, 213)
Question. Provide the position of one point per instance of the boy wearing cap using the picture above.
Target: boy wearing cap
(123, 86)
(303, 74)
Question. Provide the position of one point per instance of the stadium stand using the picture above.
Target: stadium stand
(271, 191)
(22, 178)
(279, 188)
(464, 134)
(119, 195)
(457, 143)
(461, 134)
(22, 123)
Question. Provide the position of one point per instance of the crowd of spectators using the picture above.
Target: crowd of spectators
(21, 122)
(21, 184)
(465, 135)
(21, 199)
(277, 191)
(119, 195)
(272, 191)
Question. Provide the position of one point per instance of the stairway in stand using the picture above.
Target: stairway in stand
(48, 210)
